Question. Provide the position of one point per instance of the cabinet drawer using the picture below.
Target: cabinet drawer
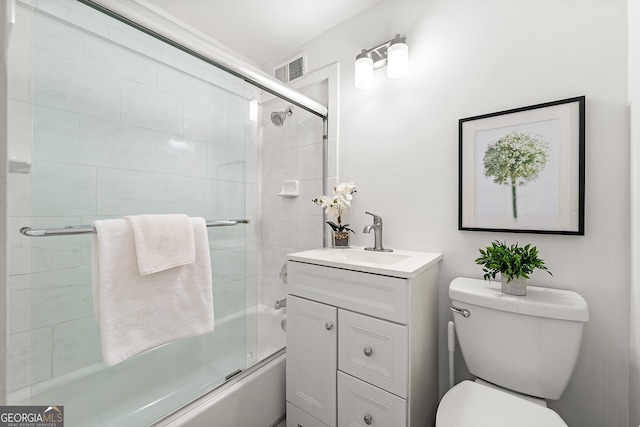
(363, 405)
(374, 350)
(380, 296)
(296, 417)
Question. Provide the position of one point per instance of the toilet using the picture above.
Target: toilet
(522, 349)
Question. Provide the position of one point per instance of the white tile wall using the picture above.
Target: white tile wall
(113, 58)
(56, 253)
(294, 151)
(203, 122)
(19, 297)
(71, 86)
(56, 138)
(19, 250)
(310, 162)
(110, 144)
(175, 155)
(57, 38)
(180, 190)
(63, 189)
(151, 108)
(183, 61)
(29, 357)
(183, 84)
(291, 152)
(133, 40)
(69, 11)
(121, 193)
(76, 343)
(53, 304)
(19, 71)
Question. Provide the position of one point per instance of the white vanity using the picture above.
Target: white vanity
(362, 338)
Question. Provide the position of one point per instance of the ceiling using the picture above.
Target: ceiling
(261, 30)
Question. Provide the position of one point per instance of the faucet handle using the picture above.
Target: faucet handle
(377, 219)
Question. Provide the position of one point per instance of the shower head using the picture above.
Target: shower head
(278, 118)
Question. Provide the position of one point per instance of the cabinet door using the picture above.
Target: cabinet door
(298, 418)
(312, 343)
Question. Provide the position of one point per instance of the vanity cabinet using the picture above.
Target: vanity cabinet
(362, 340)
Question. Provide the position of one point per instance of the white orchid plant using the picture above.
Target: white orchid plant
(336, 205)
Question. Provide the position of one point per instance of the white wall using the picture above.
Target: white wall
(634, 101)
(399, 144)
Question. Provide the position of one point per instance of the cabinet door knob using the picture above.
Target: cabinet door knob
(368, 419)
(368, 351)
(328, 326)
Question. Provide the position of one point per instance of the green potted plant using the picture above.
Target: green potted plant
(514, 263)
(334, 207)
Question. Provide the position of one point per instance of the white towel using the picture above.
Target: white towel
(162, 241)
(136, 312)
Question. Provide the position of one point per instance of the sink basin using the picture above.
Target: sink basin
(385, 258)
(398, 263)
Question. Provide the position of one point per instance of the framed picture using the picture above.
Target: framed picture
(522, 170)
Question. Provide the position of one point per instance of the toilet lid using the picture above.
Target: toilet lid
(470, 404)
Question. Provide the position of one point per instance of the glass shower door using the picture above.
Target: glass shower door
(124, 125)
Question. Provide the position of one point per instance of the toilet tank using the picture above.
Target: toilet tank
(529, 344)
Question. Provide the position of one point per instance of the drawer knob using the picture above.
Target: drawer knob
(328, 326)
(368, 419)
(368, 351)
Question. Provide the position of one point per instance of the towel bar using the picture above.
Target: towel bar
(89, 229)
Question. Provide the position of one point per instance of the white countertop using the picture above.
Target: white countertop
(399, 263)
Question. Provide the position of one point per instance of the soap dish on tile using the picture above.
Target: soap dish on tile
(290, 189)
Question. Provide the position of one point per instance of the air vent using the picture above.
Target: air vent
(292, 69)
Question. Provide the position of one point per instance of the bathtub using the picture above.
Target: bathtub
(255, 397)
(182, 383)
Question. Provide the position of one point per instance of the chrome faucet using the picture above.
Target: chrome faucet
(280, 303)
(377, 233)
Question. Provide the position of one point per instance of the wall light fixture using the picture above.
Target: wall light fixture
(394, 54)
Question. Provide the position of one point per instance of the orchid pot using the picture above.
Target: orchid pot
(334, 207)
(340, 239)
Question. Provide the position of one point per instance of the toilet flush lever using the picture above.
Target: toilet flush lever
(463, 311)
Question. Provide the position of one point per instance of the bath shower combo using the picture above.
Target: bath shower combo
(148, 141)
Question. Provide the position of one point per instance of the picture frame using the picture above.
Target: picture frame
(522, 170)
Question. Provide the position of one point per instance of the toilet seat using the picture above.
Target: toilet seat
(471, 404)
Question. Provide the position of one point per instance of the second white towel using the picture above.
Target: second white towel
(162, 241)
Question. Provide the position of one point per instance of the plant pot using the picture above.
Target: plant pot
(341, 239)
(516, 286)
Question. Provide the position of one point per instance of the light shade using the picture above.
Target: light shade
(363, 70)
(397, 58)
